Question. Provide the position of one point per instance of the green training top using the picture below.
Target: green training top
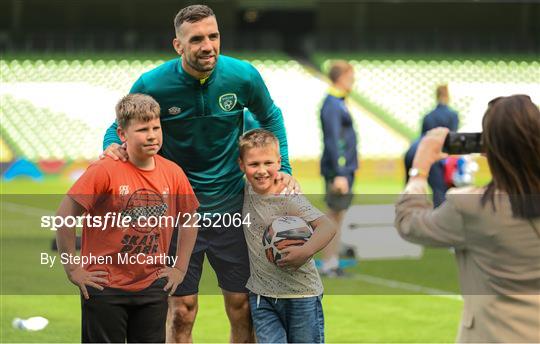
(202, 121)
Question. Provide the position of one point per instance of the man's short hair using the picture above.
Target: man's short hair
(136, 106)
(338, 68)
(442, 91)
(257, 138)
(191, 14)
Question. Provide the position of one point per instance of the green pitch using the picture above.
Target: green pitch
(368, 307)
(367, 318)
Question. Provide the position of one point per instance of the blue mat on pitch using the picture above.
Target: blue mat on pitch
(23, 168)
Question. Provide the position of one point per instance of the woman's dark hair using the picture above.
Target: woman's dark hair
(511, 140)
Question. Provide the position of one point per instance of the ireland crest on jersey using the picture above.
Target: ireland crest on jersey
(227, 101)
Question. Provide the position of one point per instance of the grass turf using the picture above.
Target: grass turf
(358, 318)
(355, 310)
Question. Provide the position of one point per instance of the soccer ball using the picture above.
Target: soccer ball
(283, 232)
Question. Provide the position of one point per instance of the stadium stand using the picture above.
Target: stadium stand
(298, 94)
(58, 108)
(40, 127)
(39, 133)
(112, 74)
(403, 89)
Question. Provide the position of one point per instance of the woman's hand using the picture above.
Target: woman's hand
(430, 149)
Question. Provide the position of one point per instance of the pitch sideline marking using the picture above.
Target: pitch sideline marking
(406, 286)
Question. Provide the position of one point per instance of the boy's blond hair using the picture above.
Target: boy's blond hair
(136, 106)
(257, 138)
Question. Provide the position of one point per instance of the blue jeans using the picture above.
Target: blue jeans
(298, 320)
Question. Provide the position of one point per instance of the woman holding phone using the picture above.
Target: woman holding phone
(494, 230)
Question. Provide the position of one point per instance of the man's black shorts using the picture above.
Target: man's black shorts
(335, 201)
(226, 250)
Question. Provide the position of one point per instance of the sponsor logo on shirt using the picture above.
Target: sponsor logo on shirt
(227, 101)
(174, 110)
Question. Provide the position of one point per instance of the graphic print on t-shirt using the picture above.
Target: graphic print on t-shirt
(138, 243)
(144, 206)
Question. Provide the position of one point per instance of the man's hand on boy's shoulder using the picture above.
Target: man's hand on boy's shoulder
(174, 276)
(82, 278)
(294, 257)
(288, 183)
(116, 152)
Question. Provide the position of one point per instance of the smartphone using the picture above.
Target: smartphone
(463, 143)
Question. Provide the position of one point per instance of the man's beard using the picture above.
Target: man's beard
(202, 68)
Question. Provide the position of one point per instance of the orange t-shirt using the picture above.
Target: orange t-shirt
(116, 187)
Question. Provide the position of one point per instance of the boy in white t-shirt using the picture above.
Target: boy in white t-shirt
(285, 299)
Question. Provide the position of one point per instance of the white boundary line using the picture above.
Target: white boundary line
(406, 286)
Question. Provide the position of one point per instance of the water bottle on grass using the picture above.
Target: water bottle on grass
(30, 324)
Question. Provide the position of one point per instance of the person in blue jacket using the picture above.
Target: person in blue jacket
(441, 116)
(339, 160)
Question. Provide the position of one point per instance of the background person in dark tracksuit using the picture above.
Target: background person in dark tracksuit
(339, 159)
(441, 116)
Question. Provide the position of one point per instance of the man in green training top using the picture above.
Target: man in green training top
(202, 96)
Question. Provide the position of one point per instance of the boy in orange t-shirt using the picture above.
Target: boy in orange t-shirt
(130, 211)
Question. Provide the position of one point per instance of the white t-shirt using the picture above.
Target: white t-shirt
(267, 279)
